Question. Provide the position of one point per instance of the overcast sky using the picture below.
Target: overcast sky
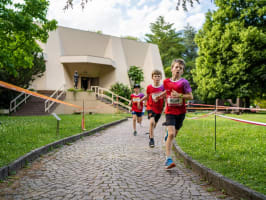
(126, 17)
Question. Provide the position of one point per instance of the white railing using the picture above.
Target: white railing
(56, 95)
(114, 98)
(14, 104)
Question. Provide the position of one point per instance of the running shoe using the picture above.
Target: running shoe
(151, 143)
(169, 163)
(135, 133)
(166, 136)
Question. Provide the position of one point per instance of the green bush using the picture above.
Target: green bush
(121, 90)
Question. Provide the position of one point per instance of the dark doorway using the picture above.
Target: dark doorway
(85, 83)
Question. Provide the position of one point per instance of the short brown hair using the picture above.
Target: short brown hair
(156, 72)
(179, 61)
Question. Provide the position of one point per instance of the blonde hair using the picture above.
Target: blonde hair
(179, 61)
(156, 72)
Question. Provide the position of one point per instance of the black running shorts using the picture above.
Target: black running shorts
(175, 120)
(153, 114)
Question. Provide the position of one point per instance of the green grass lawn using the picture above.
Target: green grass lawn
(20, 135)
(241, 147)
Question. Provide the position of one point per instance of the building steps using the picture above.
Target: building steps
(35, 105)
(92, 104)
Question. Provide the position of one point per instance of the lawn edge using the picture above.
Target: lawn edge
(22, 161)
(218, 180)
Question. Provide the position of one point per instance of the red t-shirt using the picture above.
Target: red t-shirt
(135, 98)
(152, 92)
(176, 106)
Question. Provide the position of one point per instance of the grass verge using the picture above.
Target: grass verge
(241, 147)
(20, 135)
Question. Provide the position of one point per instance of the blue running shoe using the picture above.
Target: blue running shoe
(165, 138)
(169, 163)
(135, 133)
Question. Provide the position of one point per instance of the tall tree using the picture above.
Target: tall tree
(232, 53)
(23, 78)
(21, 26)
(190, 53)
(168, 40)
(135, 75)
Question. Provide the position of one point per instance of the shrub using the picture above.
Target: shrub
(121, 90)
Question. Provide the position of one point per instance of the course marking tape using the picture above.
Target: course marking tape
(206, 115)
(19, 89)
(244, 121)
(223, 107)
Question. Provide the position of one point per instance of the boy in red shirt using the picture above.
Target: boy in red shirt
(177, 90)
(137, 106)
(155, 107)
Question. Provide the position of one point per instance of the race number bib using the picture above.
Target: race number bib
(136, 99)
(154, 95)
(171, 101)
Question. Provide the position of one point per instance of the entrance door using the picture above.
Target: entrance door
(85, 83)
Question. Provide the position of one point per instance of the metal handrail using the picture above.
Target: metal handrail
(115, 98)
(14, 101)
(59, 92)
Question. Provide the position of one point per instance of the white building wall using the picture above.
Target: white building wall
(152, 61)
(116, 52)
(82, 43)
(54, 76)
(123, 53)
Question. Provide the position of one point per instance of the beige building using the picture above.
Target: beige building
(100, 60)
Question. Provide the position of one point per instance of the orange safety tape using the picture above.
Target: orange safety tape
(202, 116)
(244, 121)
(199, 108)
(19, 89)
(226, 107)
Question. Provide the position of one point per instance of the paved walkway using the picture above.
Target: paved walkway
(112, 164)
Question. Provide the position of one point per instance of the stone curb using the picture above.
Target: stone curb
(13, 167)
(219, 181)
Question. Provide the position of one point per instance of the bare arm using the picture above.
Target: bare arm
(160, 96)
(144, 98)
(188, 96)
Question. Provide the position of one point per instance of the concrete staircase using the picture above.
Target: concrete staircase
(92, 104)
(109, 102)
(35, 105)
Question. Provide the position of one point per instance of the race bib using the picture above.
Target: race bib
(136, 99)
(171, 101)
(154, 95)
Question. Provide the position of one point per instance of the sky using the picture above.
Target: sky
(127, 17)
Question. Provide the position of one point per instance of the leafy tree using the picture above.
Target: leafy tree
(21, 26)
(191, 47)
(167, 39)
(21, 59)
(232, 51)
(135, 74)
(190, 53)
(23, 78)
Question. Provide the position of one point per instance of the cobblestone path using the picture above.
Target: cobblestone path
(112, 164)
